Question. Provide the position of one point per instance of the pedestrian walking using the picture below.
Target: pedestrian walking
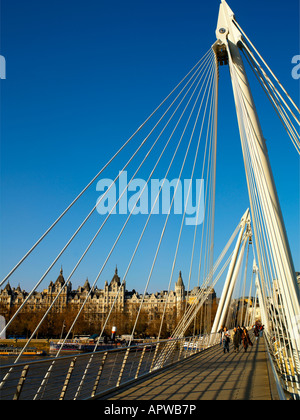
(221, 334)
(225, 340)
(246, 339)
(256, 332)
(236, 339)
(241, 332)
(261, 330)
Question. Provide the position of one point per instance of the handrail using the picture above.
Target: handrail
(283, 394)
(87, 375)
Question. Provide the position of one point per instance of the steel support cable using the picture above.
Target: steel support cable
(253, 164)
(267, 205)
(273, 312)
(244, 283)
(210, 276)
(209, 217)
(275, 102)
(48, 373)
(99, 230)
(92, 211)
(206, 206)
(199, 300)
(272, 93)
(279, 322)
(211, 191)
(209, 197)
(151, 212)
(268, 80)
(253, 160)
(167, 218)
(214, 173)
(123, 281)
(277, 334)
(235, 303)
(250, 127)
(211, 155)
(205, 201)
(198, 207)
(73, 324)
(247, 316)
(245, 147)
(154, 166)
(255, 305)
(147, 221)
(207, 281)
(257, 214)
(189, 316)
(99, 173)
(88, 365)
(111, 211)
(153, 206)
(261, 239)
(179, 237)
(266, 202)
(204, 220)
(243, 286)
(226, 299)
(273, 75)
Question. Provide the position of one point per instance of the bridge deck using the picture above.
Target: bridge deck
(211, 375)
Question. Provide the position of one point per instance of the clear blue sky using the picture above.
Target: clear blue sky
(82, 76)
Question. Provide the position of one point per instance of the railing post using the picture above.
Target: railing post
(21, 383)
(67, 380)
(181, 347)
(99, 375)
(188, 346)
(194, 345)
(154, 357)
(140, 363)
(123, 366)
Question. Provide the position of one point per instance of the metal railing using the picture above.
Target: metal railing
(286, 373)
(91, 375)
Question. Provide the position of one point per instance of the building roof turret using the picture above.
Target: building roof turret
(60, 279)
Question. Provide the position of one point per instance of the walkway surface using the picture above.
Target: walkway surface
(211, 375)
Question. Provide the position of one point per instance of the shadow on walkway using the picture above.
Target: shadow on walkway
(211, 375)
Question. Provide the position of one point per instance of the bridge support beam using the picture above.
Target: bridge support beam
(232, 274)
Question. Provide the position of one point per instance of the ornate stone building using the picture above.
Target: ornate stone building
(98, 302)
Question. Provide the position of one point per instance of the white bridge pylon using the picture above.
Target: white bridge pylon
(275, 264)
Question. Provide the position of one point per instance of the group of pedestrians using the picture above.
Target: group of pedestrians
(238, 336)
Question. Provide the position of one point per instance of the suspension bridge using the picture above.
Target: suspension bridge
(180, 137)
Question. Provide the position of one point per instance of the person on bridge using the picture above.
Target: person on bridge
(256, 331)
(236, 339)
(225, 340)
(246, 339)
(221, 334)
